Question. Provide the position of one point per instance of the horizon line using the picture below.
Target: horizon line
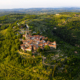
(42, 7)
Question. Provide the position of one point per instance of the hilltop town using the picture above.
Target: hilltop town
(32, 43)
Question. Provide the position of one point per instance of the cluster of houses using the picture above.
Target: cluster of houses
(32, 43)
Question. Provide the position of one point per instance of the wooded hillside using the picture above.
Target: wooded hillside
(63, 28)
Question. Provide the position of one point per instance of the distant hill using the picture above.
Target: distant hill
(38, 10)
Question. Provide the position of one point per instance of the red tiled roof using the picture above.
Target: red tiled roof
(45, 43)
(54, 42)
(36, 35)
(24, 40)
(28, 48)
(26, 44)
(23, 34)
(37, 39)
(22, 45)
(40, 44)
(51, 45)
(48, 41)
(41, 47)
(35, 47)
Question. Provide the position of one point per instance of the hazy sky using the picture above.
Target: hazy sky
(9, 4)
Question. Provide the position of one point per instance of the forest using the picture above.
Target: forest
(63, 62)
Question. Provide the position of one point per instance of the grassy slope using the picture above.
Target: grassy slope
(3, 32)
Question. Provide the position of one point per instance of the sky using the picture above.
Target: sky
(11, 4)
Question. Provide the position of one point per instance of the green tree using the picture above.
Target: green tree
(39, 49)
(46, 48)
(23, 38)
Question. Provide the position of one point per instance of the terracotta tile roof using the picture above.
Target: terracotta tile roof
(41, 47)
(54, 46)
(45, 43)
(37, 39)
(48, 41)
(28, 48)
(54, 42)
(40, 44)
(22, 45)
(51, 45)
(24, 40)
(36, 35)
(34, 46)
(30, 42)
(41, 41)
(26, 44)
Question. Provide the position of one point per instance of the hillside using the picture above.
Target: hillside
(62, 63)
(38, 11)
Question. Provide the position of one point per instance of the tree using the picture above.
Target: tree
(38, 32)
(46, 48)
(39, 49)
(23, 38)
